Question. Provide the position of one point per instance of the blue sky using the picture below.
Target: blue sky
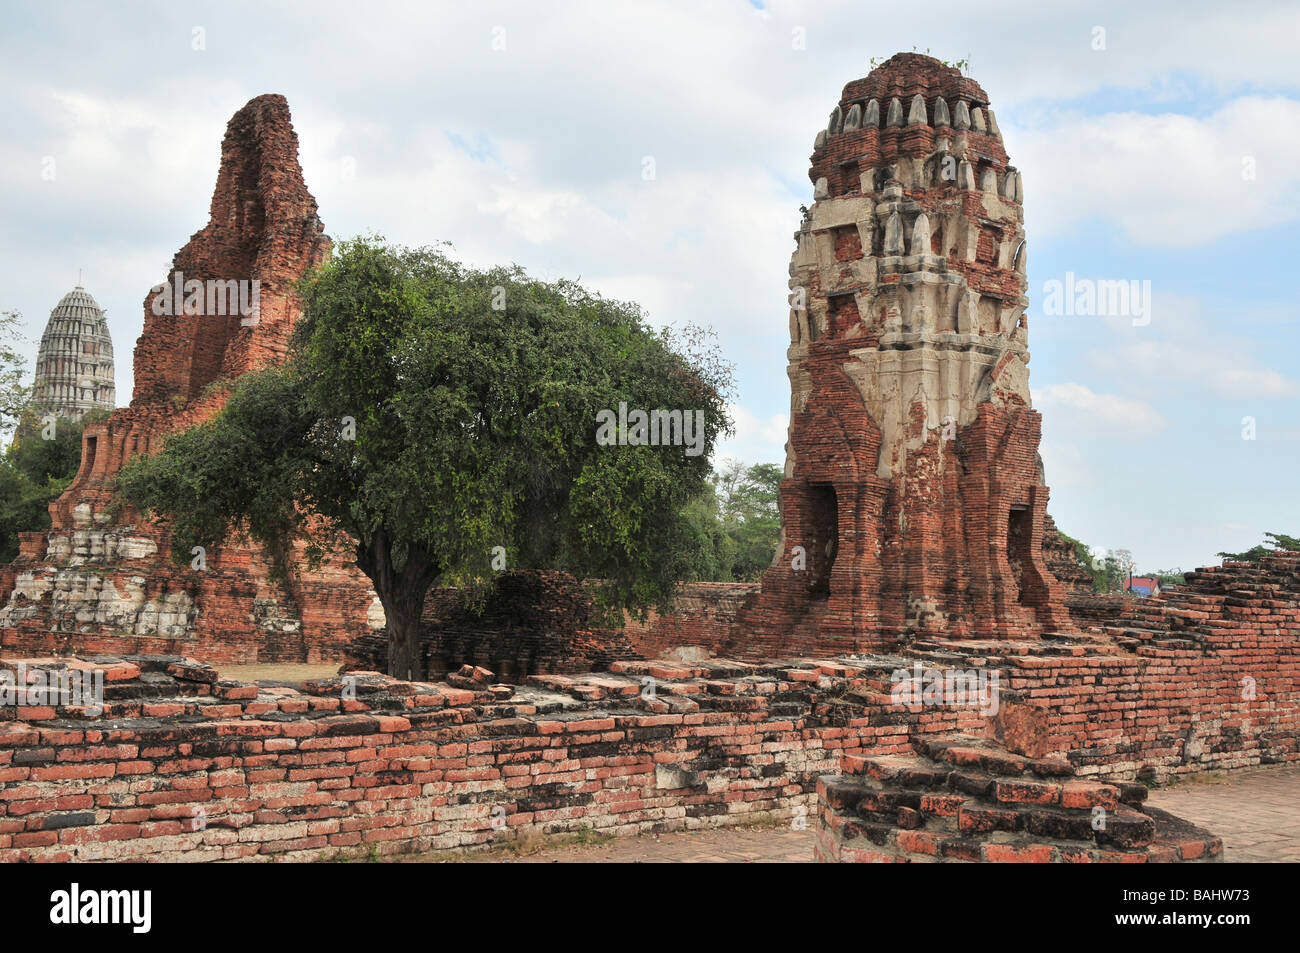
(519, 132)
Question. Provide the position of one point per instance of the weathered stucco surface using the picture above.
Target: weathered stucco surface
(913, 500)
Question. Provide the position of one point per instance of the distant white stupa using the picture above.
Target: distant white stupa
(74, 365)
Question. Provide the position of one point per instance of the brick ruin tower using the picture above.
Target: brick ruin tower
(74, 364)
(913, 502)
(102, 578)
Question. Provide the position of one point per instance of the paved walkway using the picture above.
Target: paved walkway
(733, 845)
(1256, 812)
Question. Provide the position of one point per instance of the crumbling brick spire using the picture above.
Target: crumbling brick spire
(263, 227)
(912, 501)
(102, 579)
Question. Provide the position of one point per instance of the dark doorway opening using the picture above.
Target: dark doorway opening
(1019, 528)
(824, 521)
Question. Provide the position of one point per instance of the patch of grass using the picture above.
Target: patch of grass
(765, 822)
(529, 841)
(1200, 777)
(590, 837)
(532, 841)
(338, 857)
(526, 842)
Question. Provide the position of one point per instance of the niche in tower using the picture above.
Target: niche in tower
(848, 243)
(844, 316)
(824, 523)
(1019, 533)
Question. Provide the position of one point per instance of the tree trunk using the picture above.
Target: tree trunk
(401, 592)
(405, 659)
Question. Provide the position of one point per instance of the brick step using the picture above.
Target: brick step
(962, 799)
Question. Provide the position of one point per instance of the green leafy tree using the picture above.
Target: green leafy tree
(714, 550)
(442, 423)
(33, 472)
(751, 515)
(1272, 543)
(44, 449)
(1167, 577)
(23, 507)
(1111, 572)
(737, 523)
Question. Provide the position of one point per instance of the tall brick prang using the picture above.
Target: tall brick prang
(913, 501)
(102, 578)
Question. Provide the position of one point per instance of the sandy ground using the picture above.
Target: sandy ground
(284, 673)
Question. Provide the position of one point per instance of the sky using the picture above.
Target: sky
(658, 152)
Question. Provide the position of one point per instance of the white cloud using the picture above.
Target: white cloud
(1180, 349)
(1065, 465)
(757, 440)
(1206, 365)
(1078, 410)
(1166, 180)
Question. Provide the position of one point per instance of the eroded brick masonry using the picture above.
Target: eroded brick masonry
(103, 579)
(183, 764)
(914, 690)
(913, 501)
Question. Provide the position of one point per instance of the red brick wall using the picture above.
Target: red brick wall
(1206, 676)
(702, 618)
(648, 746)
(426, 769)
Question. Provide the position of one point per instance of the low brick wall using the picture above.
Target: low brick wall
(183, 764)
(1090, 609)
(1207, 676)
(702, 619)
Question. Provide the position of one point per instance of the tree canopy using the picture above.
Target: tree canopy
(751, 516)
(34, 470)
(1272, 543)
(737, 523)
(442, 422)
